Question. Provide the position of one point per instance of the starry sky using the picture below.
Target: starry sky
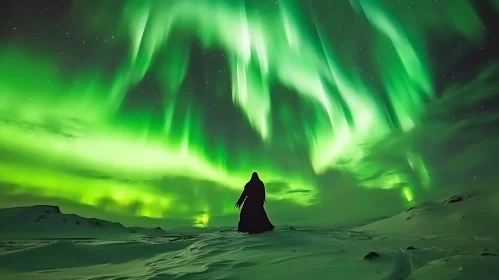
(153, 111)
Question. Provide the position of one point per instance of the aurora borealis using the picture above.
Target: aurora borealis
(163, 108)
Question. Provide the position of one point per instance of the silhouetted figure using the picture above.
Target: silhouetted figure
(253, 218)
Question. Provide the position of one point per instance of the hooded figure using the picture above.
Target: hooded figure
(253, 218)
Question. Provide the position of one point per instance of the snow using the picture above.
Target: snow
(468, 214)
(452, 240)
(44, 221)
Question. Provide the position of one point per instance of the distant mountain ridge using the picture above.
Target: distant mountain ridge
(463, 214)
(47, 221)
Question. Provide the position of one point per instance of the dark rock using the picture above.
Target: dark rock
(488, 254)
(453, 199)
(371, 255)
(411, 248)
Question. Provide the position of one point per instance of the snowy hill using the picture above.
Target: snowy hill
(44, 221)
(467, 214)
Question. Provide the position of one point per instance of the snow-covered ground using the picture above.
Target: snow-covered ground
(453, 238)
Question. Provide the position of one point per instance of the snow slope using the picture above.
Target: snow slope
(466, 214)
(43, 221)
(370, 252)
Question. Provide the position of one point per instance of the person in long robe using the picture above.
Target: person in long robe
(253, 218)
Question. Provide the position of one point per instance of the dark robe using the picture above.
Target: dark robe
(253, 218)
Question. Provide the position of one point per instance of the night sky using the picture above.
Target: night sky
(139, 109)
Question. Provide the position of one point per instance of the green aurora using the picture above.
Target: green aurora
(294, 89)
